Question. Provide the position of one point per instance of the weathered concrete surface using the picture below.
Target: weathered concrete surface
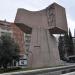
(52, 18)
(43, 49)
(42, 25)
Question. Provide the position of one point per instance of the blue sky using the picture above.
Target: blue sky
(8, 8)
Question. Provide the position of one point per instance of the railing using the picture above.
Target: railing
(40, 71)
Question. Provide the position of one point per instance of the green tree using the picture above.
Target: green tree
(66, 47)
(9, 51)
(60, 46)
(71, 46)
(66, 44)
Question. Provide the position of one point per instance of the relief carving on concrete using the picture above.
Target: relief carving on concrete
(51, 16)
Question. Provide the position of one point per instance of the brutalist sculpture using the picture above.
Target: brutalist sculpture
(43, 50)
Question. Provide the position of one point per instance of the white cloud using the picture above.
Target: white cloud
(8, 8)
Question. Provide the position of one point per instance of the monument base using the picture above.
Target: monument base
(43, 50)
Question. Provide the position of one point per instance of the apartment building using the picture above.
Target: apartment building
(18, 35)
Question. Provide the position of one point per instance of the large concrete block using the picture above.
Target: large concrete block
(52, 18)
(43, 49)
(57, 22)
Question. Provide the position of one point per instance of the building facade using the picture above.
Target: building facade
(5, 27)
(18, 35)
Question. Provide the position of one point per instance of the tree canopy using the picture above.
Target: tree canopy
(65, 45)
(9, 51)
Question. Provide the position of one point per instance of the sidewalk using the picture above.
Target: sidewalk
(39, 71)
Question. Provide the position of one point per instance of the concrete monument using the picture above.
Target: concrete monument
(43, 50)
